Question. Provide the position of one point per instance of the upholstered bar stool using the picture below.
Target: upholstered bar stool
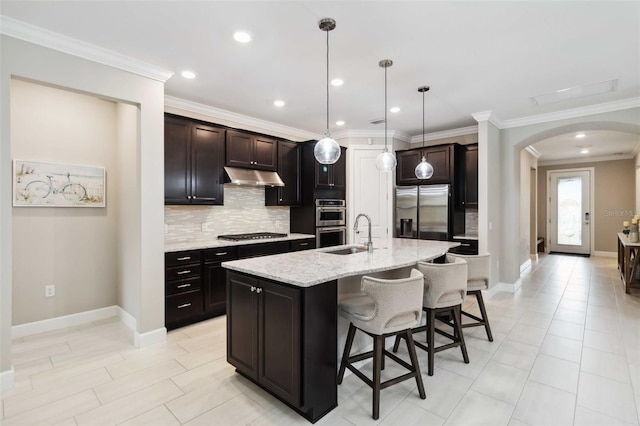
(445, 287)
(384, 308)
(479, 267)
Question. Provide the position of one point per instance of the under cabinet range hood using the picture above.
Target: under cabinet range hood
(253, 177)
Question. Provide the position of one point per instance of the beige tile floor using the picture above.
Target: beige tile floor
(566, 351)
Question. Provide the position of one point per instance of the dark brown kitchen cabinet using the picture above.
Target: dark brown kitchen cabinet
(470, 198)
(263, 249)
(305, 244)
(214, 279)
(193, 162)
(441, 157)
(251, 151)
(284, 339)
(332, 176)
(467, 246)
(183, 292)
(289, 169)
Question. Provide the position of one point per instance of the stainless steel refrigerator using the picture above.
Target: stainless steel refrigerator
(424, 212)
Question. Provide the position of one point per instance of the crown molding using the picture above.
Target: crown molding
(585, 160)
(531, 150)
(56, 41)
(487, 116)
(393, 134)
(572, 113)
(263, 125)
(445, 134)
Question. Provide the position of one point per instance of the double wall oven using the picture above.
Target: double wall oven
(331, 221)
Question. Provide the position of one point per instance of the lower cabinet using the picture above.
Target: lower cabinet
(284, 339)
(214, 279)
(466, 246)
(183, 290)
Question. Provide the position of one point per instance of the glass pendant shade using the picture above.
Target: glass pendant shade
(386, 161)
(424, 170)
(327, 150)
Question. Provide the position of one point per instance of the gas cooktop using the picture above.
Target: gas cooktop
(251, 236)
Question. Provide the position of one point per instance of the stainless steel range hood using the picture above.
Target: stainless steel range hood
(253, 177)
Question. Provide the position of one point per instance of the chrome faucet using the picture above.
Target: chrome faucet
(369, 244)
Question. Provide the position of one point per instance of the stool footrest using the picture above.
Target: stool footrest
(466, 314)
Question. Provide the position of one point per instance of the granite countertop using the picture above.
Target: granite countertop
(214, 243)
(466, 236)
(310, 267)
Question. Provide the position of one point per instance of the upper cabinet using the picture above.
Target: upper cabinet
(193, 162)
(441, 157)
(289, 169)
(470, 199)
(332, 176)
(251, 151)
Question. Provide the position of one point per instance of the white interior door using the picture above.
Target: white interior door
(570, 211)
(370, 193)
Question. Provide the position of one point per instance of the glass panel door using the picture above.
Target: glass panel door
(569, 206)
(569, 214)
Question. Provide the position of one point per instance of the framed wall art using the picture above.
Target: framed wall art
(38, 184)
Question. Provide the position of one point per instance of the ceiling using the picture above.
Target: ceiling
(476, 56)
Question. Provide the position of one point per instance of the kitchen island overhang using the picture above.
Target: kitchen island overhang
(282, 320)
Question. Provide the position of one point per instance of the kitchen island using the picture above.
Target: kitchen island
(282, 316)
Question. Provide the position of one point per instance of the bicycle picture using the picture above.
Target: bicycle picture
(55, 185)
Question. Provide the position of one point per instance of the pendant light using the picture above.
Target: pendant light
(327, 150)
(424, 170)
(385, 161)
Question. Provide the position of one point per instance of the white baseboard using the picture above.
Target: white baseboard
(534, 257)
(58, 323)
(605, 254)
(526, 264)
(488, 294)
(510, 287)
(6, 380)
(142, 340)
(127, 319)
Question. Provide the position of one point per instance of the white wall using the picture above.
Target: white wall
(50, 67)
(527, 162)
(71, 248)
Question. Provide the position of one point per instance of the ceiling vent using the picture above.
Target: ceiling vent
(576, 92)
(377, 121)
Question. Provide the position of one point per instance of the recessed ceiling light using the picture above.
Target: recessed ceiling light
(395, 109)
(242, 37)
(188, 74)
(584, 151)
(580, 135)
(339, 123)
(337, 82)
(279, 103)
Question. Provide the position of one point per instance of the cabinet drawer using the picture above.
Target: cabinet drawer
(183, 306)
(181, 272)
(182, 257)
(181, 286)
(298, 245)
(263, 249)
(465, 247)
(221, 254)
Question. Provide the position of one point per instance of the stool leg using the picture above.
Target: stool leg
(378, 343)
(347, 351)
(431, 339)
(396, 344)
(483, 314)
(456, 323)
(411, 348)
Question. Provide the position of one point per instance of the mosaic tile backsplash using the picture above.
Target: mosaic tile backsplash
(243, 211)
(471, 222)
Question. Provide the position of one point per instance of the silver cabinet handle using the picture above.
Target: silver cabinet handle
(221, 254)
(258, 290)
(184, 285)
(253, 288)
(465, 245)
(189, 197)
(183, 272)
(186, 305)
(184, 258)
(304, 244)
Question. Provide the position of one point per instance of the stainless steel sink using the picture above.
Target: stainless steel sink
(350, 250)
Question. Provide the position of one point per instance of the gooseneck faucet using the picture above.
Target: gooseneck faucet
(369, 244)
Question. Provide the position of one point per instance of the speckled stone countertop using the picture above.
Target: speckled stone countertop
(311, 267)
(204, 244)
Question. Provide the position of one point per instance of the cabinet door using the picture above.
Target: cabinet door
(239, 149)
(440, 158)
(177, 172)
(339, 173)
(289, 169)
(215, 289)
(323, 175)
(242, 324)
(471, 177)
(207, 153)
(279, 340)
(406, 168)
(265, 153)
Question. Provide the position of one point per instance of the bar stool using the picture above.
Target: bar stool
(479, 267)
(445, 286)
(384, 308)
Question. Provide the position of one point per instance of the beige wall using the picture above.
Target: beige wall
(527, 163)
(71, 248)
(614, 199)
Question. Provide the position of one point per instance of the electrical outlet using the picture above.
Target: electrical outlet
(49, 290)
